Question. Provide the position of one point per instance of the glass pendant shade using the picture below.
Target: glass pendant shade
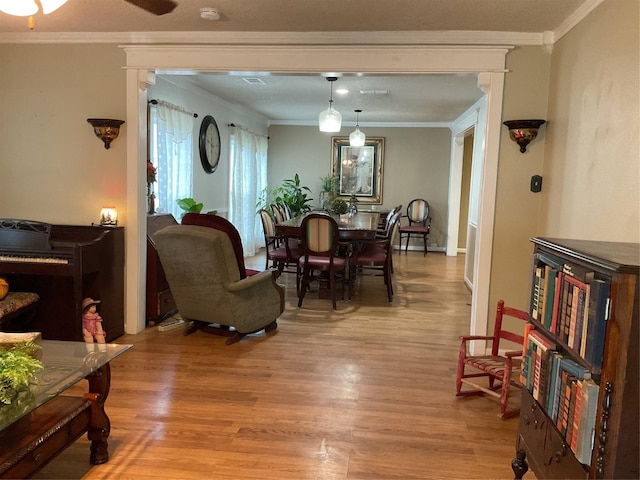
(25, 8)
(330, 120)
(357, 138)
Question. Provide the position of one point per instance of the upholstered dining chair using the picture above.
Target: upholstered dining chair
(375, 255)
(319, 240)
(418, 215)
(210, 293)
(280, 250)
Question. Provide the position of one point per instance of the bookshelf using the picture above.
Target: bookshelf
(579, 416)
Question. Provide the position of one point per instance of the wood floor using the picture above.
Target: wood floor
(364, 392)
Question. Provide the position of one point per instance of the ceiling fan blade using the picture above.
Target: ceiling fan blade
(157, 7)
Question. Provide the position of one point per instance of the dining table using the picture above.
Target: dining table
(351, 227)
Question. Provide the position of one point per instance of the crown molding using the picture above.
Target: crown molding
(575, 18)
(314, 123)
(279, 38)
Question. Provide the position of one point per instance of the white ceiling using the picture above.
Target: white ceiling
(296, 99)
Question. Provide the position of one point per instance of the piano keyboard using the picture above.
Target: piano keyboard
(20, 259)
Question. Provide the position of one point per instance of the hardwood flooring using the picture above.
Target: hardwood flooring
(364, 392)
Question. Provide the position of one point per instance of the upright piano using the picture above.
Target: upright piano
(64, 264)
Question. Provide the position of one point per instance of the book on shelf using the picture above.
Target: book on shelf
(597, 321)
(541, 352)
(556, 308)
(551, 281)
(575, 426)
(585, 321)
(565, 399)
(537, 293)
(554, 385)
(525, 361)
(572, 408)
(587, 421)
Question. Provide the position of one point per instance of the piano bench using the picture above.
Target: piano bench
(16, 304)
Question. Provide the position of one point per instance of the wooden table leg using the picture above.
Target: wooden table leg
(99, 385)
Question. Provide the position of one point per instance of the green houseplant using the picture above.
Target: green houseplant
(339, 206)
(291, 192)
(17, 368)
(189, 205)
(328, 185)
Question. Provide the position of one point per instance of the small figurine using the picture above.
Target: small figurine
(92, 322)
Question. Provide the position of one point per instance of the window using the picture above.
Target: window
(171, 152)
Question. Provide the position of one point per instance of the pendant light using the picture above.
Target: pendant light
(356, 139)
(330, 119)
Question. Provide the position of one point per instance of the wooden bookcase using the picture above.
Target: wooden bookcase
(540, 444)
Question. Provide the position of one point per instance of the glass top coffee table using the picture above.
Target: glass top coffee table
(42, 421)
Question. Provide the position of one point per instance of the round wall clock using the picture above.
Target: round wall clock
(209, 144)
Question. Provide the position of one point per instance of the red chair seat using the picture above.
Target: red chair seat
(323, 263)
(414, 229)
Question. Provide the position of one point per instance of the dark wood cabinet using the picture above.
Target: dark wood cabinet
(160, 302)
(540, 446)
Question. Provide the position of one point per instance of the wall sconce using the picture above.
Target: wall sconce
(108, 216)
(105, 129)
(523, 131)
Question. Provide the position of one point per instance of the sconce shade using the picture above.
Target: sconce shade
(523, 131)
(330, 119)
(357, 138)
(108, 216)
(106, 129)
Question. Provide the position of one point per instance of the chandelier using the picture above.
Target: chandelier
(330, 119)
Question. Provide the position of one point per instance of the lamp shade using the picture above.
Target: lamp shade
(108, 216)
(25, 8)
(357, 138)
(330, 120)
(19, 8)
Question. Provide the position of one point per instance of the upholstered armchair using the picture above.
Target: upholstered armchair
(209, 290)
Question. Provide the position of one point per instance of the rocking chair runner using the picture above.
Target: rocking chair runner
(501, 368)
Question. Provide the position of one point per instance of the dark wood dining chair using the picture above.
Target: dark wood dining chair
(282, 251)
(320, 238)
(375, 256)
(418, 215)
(279, 213)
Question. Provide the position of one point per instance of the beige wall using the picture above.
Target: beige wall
(52, 166)
(591, 185)
(416, 165)
(525, 96)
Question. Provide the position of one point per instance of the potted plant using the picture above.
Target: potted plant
(291, 192)
(339, 206)
(328, 185)
(189, 205)
(17, 368)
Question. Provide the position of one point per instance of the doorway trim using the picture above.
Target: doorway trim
(143, 61)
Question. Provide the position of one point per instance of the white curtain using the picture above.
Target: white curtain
(171, 151)
(248, 177)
